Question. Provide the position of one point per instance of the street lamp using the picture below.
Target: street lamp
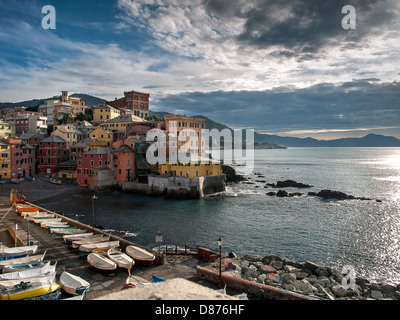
(159, 240)
(220, 242)
(93, 198)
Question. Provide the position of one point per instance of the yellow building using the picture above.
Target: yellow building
(121, 122)
(103, 113)
(5, 160)
(7, 129)
(100, 137)
(77, 104)
(196, 167)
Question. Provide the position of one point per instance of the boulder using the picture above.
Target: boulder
(231, 175)
(311, 266)
(321, 271)
(276, 264)
(266, 259)
(288, 277)
(288, 184)
(271, 193)
(339, 291)
(304, 286)
(375, 294)
(264, 268)
(251, 257)
(282, 193)
(300, 275)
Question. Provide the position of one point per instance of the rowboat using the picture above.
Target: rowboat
(72, 237)
(25, 290)
(33, 273)
(121, 259)
(26, 208)
(63, 232)
(17, 252)
(13, 282)
(43, 222)
(25, 266)
(87, 248)
(73, 284)
(54, 181)
(101, 262)
(134, 281)
(34, 258)
(77, 243)
(46, 224)
(41, 216)
(157, 279)
(140, 255)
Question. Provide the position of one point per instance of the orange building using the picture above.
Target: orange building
(133, 100)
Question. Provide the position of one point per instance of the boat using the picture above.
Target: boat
(41, 216)
(121, 259)
(134, 281)
(25, 266)
(69, 238)
(32, 273)
(54, 181)
(140, 255)
(157, 279)
(88, 248)
(63, 232)
(43, 222)
(26, 209)
(17, 252)
(73, 284)
(45, 225)
(26, 290)
(34, 258)
(101, 262)
(64, 227)
(77, 243)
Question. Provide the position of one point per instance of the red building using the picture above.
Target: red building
(51, 152)
(89, 162)
(124, 163)
(133, 100)
(22, 158)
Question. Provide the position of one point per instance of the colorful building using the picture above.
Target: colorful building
(121, 122)
(100, 137)
(7, 129)
(103, 113)
(51, 152)
(86, 165)
(5, 160)
(124, 163)
(133, 100)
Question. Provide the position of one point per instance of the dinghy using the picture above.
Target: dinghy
(77, 243)
(68, 238)
(101, 262)
(25, 290)
(25, 266)
(44, 222)
(88, 248)
(34, 273)
(34, 258)
(121, 259)
(140, 255)
(17, 252)
(73, 284)
(63, 232)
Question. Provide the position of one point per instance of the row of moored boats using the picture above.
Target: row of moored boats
(27, 275)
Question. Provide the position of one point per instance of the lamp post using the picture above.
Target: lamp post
(93, 198)
(27, 232)
(220, 242)
(159, 240)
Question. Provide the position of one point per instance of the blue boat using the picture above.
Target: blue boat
(25, 266)
(157, 279)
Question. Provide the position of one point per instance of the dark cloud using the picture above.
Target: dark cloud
(304, 27)
(363, 103)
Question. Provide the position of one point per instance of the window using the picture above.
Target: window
(91, 163)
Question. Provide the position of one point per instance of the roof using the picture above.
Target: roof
(82, 143)
(125, 118)
(98, 151)
(124, 148)
(32, 135)
(55, 139)
(69, 163)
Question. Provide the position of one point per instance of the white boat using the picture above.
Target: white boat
(101, 262)
(17, 252)
(41, 216)
(25, 266)
(87, 248)
(72, 237)
(45, 224)
(121, 259)
(76, 244)
(34, 258)
(140, 255)
(42, 222)
(33, 273)
(135, 281)
(73, 284)
(12, 282)
(63, 232)
(54, 181)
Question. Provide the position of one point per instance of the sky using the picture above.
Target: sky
(285, 67)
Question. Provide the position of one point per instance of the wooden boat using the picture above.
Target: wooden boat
(88, 248)
(134, 281)
(101, 262)
(33, 273)
(63, 232)
(121, 259)
(45, 225)
(54, 181)
(12, 282)
(69, 238)
(43, 222)
(140, 255)
(26, 208)
(25, 266)
(34, 258)
(17, 252)
(37, 218)
(26, 290)
(73, 284)
(157, 279)
(77, 243)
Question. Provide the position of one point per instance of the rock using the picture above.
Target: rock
(295, 194)
(288, 184)
(276, 264)
(271, 194)
(268, 258)
(387, 289)
(282, 193)
(337, 275)
(244, 264)
(232, 255)
(251, 257)
(264, 268)
(339, 291)
(288, 277)
(261, 278)
(310, 266)
(289, 287)
(375, 294)
(231, 175)
(321, 271)
(300, 275)
(323, 281)
(251, 272)
(304, 286)
(289, 268)
(325, 292)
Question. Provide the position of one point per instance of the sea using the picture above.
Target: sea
(364, 234)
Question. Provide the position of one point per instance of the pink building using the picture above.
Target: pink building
(51, 152)
(89, 162)
(124, 163)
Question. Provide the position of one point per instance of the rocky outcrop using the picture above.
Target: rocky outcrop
(288, 184)
(306, 278)
(337, 195)
(231, 175)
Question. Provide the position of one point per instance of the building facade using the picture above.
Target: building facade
(51, 152)
(86, 165)
(139, 102)
(103, 113)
